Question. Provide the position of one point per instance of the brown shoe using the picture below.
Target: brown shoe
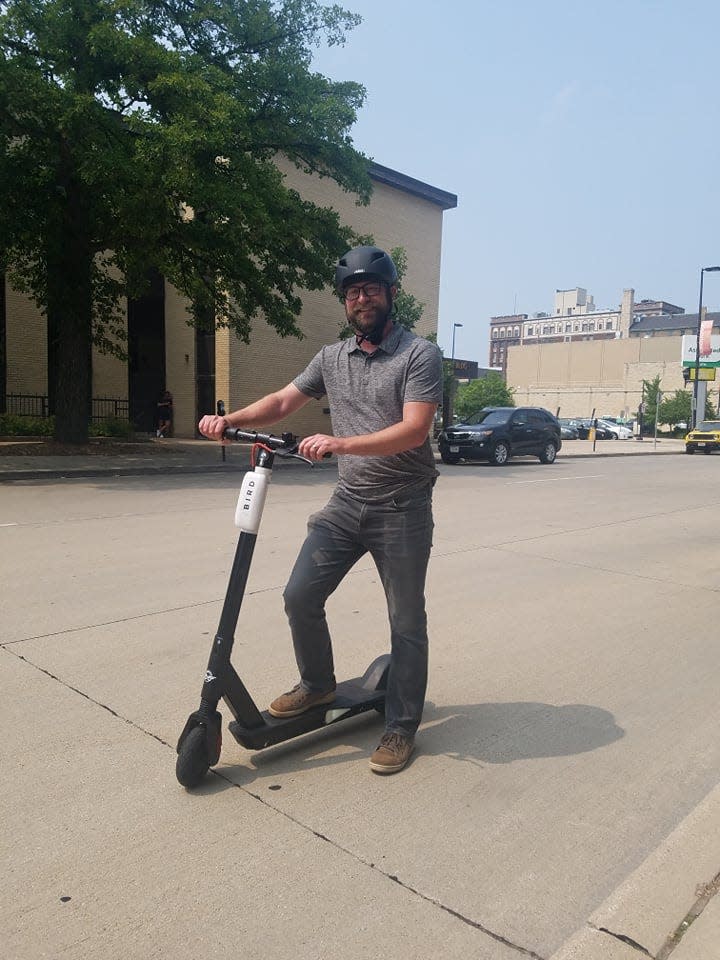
(297, 701)
(392, 754)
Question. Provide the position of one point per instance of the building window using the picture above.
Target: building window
(568, 328)
(591, 325)
(495, 333)
(516, 332)
(531, 331)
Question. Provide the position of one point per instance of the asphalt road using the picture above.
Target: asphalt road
(571, 723)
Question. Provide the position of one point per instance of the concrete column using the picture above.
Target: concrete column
(626, 312)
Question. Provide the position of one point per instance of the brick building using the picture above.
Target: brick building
(165, 352)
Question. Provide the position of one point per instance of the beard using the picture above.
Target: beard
(366, 319)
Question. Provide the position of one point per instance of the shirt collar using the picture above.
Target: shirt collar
(388, 345)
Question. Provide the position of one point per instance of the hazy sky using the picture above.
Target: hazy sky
(580, 137)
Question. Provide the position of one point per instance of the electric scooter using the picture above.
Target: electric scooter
(200, 742)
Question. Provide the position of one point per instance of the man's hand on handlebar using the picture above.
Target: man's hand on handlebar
(212, 427)
(319, 446)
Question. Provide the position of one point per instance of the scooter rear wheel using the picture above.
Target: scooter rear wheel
(193, 761)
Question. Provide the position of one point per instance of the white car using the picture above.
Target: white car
(618, 431)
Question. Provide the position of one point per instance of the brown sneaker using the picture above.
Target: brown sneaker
(297, 701)
(392, 754)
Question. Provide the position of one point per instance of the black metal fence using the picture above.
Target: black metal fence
(103, 408)
(36, 405)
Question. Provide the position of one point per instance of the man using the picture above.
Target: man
(383, 386)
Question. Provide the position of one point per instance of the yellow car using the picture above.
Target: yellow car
(705, 437)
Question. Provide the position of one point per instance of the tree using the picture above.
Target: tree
(489, 391)
(139, 136)
(678, 408)
(650, 392)
(408, 309)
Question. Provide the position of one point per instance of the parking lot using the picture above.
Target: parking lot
(570, 729)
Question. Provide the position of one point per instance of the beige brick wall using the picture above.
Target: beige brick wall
(180, 361)
(246, 372)
(604, 375)
(26, 344)
(110, 374)
(394, 218)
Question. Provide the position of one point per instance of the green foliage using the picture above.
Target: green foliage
(12, 425)
(408, 309)
(676, 409)
(112, 427)
(650, 391)
(141, 135)
(489, 391)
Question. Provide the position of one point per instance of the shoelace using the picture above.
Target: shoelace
(394, 742)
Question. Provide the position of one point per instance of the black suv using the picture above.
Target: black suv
(498, 433)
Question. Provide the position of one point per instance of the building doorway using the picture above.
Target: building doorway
(146, 355)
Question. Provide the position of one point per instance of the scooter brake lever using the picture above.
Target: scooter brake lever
(298, 456)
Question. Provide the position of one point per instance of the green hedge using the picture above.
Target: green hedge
(112, 427)
(12, 425)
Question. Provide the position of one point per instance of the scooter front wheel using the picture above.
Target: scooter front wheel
(193, 761)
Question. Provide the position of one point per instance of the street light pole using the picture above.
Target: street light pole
(451, 399)
(455, 326)
(696, 385)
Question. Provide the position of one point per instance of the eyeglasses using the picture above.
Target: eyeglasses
(369, 289)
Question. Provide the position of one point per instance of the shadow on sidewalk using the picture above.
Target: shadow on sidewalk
(474, 733)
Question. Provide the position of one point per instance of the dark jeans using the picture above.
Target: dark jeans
(398, 536)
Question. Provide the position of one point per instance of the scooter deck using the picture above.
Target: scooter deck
(352, 697)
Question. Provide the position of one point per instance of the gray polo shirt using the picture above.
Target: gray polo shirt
(366, 392)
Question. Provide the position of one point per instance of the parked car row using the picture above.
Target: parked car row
(498, 433)
(579, 429)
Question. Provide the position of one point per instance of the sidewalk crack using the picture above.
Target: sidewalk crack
(86, 696)
(704, 893)
(523, 951)
(625, 939)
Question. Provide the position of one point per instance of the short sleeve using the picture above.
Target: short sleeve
(424, 383)
(311, 381)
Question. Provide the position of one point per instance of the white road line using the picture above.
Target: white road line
(588, 476)
(9, 524)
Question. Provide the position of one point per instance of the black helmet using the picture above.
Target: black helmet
(365, 261)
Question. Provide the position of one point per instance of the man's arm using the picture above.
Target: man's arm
(409, 433)
(264, 412)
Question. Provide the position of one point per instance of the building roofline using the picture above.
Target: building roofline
(393, 178)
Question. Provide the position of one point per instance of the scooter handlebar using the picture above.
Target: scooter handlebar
(288, 442)
(285, 445)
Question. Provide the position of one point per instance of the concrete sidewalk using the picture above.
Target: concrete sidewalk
(563, 803)
(204, 456)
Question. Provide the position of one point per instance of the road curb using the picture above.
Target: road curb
(85, 473)
(158, 468)
(645, 913)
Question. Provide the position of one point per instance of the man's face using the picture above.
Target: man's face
(367, 302)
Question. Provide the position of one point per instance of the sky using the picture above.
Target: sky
(581, 138)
